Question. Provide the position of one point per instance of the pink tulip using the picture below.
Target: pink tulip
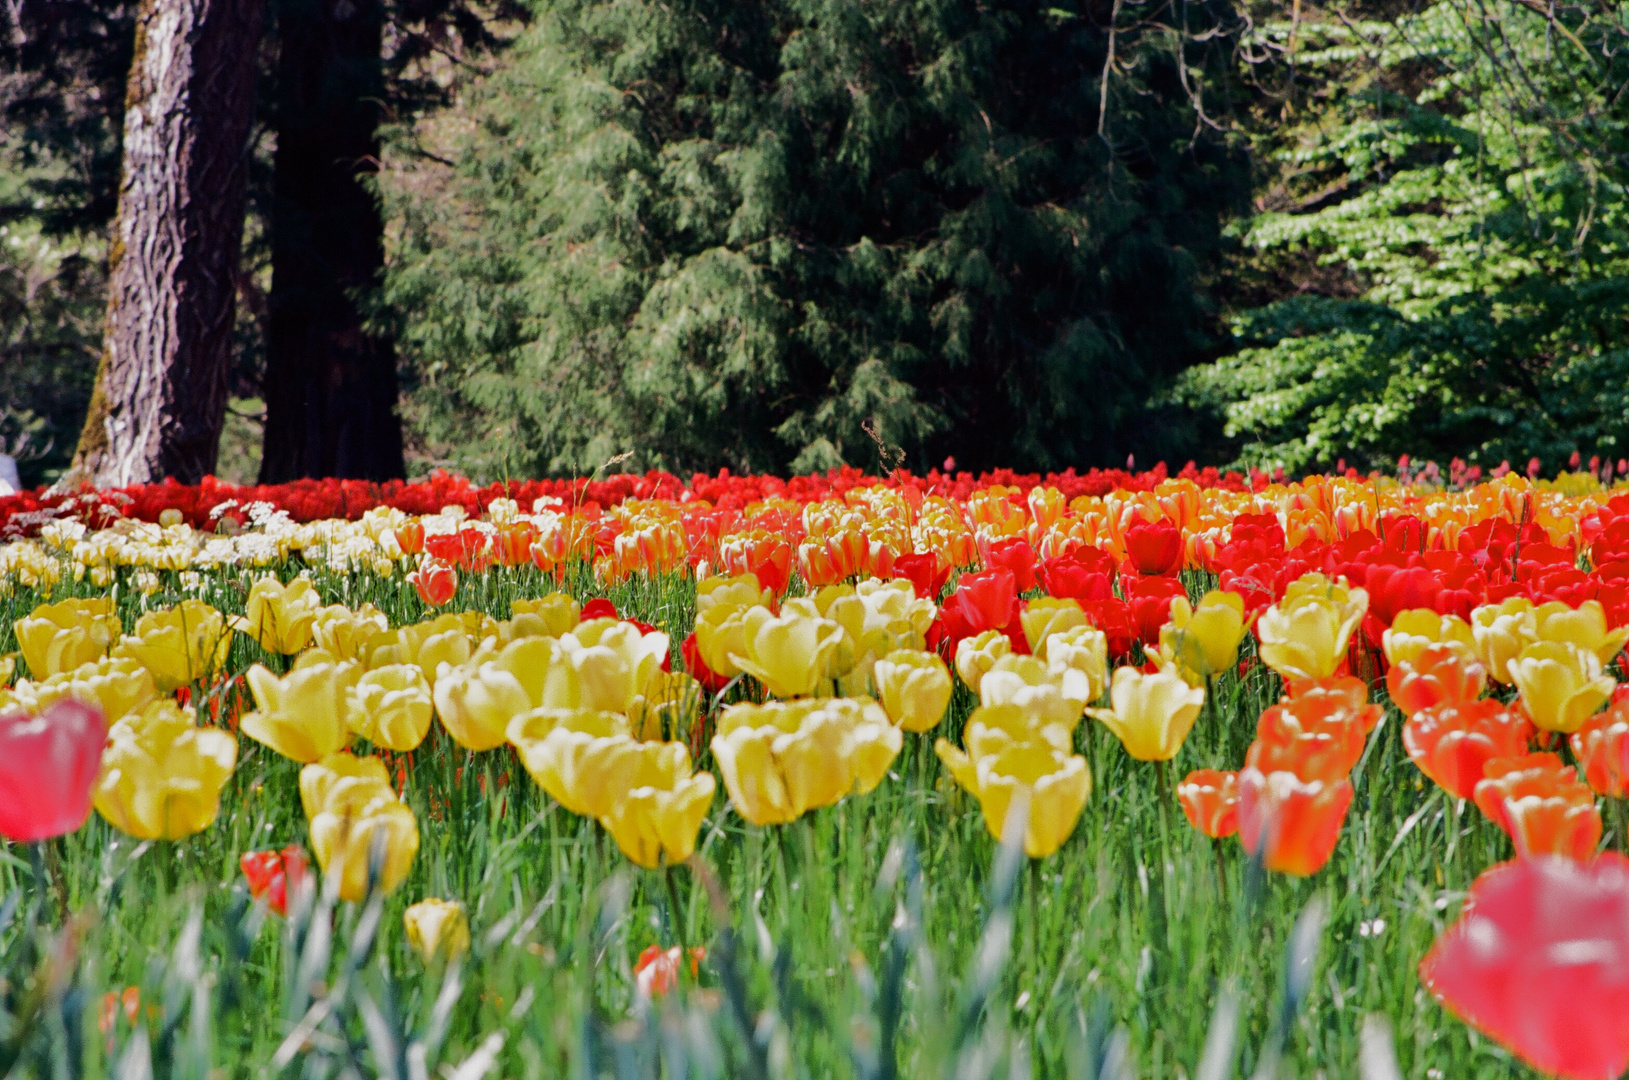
(48, 766)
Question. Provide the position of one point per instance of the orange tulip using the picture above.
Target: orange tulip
(1440, 675)
(435, 581)
(1313, 744)
(1453, 741)
(1291, 822)
(1337, 696)
(1542, 805)
(1210, 799)
(1600, 747)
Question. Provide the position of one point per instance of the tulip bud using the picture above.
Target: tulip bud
(437, 928)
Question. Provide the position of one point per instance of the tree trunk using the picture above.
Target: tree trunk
(160, 392)
(330, 385)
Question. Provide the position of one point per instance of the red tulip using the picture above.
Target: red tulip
(599, 608)
(1210, 799)
(48, 765)
(1341, 696)
(984, 601)
(274, 874)
(1538, 960)
(925, 573)
(1078, 576)
(1014, 554)
(1453, 742)
(1154, 549)
(657, 969)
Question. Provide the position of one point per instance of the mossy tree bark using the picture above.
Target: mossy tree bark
(173, 259)
(330, 384)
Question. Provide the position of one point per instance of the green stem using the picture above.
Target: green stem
(676, 914)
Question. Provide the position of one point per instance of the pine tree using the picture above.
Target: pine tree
(776, 234)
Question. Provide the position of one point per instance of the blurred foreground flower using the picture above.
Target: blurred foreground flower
(657, 969)
(48, 766)
(1536, 961)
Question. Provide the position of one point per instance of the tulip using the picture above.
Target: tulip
(739, 592)
(181, 645)
(657, 969)
(437, 928)
(1205, 639)
(1305, 635)
(641, 648)
(1561, 685)
(427, 645)
(1535, 961)
(1031, 685)
(558, 612)
(305, 715)
(1314, 744)
(984, 601)
(1337, 696)
(1583, 626)
(1501, 632)
(1541, 804)
(975, 656)
(352, 808)
(1210, 800)
(790, 655)
(668, 709)
(1080, 658)
(993, 728)
(1043, 618)
(66, 635)
(1601, 747)
(1057, 783)
(1436, 675)
(347, 634)
(914, 688)
(658, 808)
(1151, 714)
(274, 874)
(1453, 742)
(162, 775)
(280, 617)
(781, 760)
(476, 703)
(721, 632)
(1414, 631)
(1154, 549)
(1290, 823)
(116, 685)
(434, 581)
(391, 707)
(48, 765)
(587, 760)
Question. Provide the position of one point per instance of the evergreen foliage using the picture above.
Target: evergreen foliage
(784, 234)
(1460, 173)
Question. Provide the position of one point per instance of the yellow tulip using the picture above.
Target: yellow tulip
(993, 728)
(476, 703)
(1205, 639)
(1561, 684)
(660, 818)
(528, 659)
(558, 612)
(437, 928)
(1045, 616)
(1030, 684)
(184, 644)
(351, 808)
(894, 607)
(668, 707)
(975, 656)
(162, 775)
(116, 685)
(348, 634)
(1057, 784)
(60, 637)
(721, 632)
(597, 678)
(391, 707)
(305, 714)
(1152, 714)
(643, 652)
(574, 754)
(790, 655)
(739, 592)
(278, 616)
(1583, 626)
(427, 645)
(1305, 635)
(913, 687)
(1079, 656)
(782, 759)
(1502, 631)
(1414, 631)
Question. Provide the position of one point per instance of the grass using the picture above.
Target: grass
(888, 936)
